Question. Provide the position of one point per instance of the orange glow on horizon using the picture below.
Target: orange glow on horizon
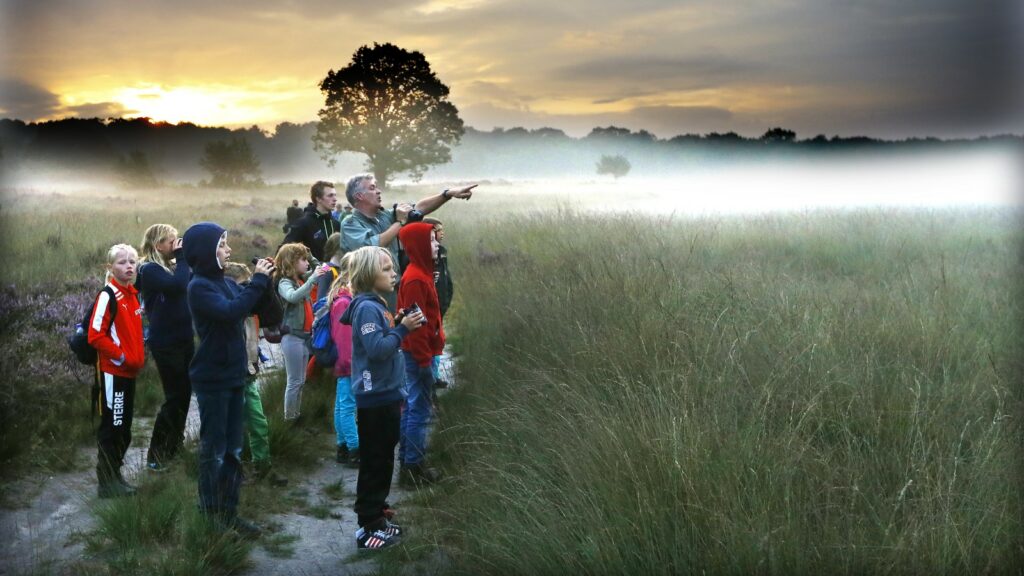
(209, 105)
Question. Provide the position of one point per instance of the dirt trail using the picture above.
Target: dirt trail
(42, 535)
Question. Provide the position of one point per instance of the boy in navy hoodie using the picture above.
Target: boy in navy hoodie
(378, 374)
(218, 370)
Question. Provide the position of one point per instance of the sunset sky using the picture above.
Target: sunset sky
(885, 68)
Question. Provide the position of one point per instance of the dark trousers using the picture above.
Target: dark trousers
(379, 428)
(221, 418)
(169, 428)
(116, 400)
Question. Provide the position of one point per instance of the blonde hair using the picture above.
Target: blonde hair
(237, 271)
(154, 235)
(332, 246)
(341, 282)
(112, 255)
(364, 265)
(287, 257)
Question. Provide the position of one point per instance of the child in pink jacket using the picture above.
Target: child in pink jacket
(338, 299)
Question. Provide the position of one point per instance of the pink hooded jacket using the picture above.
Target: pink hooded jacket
(342, 334)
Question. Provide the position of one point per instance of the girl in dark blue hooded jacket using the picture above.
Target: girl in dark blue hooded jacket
(218, 370)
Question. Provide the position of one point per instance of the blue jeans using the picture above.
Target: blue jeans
(345, 428)
(419, 385)
(221, 418)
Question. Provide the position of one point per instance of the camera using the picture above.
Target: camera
(414, 214)
(410, 310)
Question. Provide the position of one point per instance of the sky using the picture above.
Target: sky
(881, 68)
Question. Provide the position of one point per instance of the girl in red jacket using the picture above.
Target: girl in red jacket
(115, 331)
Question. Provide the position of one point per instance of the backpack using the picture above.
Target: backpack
(269, 309)
(78, 339)
(321, 344)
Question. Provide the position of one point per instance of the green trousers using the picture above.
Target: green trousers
(256, 426)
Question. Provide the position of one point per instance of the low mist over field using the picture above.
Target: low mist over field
(987, 177)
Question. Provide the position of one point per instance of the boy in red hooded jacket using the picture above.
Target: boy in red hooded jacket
(419, 349)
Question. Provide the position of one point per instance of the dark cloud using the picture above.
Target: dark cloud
(686, 73)
(99, 110)
(24, 101)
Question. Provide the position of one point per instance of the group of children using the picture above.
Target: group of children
(386, 367)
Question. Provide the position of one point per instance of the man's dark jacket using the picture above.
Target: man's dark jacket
(312, 230)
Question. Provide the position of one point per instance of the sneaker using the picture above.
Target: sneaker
(157, 467)
(374, 539)
(342, 456)
(392, 529)
(353, 459)
(416, 475)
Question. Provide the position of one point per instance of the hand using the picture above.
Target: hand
(402, 212)
(178, 243)
(318, 271)
(464, 193)
(413, 321)
(265, 266)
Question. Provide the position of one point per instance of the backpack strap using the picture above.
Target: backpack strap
(112, 301)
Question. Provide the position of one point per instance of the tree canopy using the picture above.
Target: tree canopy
(388, 104)
(231, 163)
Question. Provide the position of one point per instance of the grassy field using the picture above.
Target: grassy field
(824, 392)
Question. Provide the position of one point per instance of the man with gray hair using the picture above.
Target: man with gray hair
(372, 225)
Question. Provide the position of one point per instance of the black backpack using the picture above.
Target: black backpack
(78, 340)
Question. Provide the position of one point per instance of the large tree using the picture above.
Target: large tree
(388, 104)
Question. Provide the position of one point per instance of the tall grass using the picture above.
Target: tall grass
(787, 394)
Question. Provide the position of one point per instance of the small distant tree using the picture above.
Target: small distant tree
(617, 165)
(778, 135)
(231, 163)
(134, 170)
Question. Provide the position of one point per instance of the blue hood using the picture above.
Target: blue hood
(200, 247)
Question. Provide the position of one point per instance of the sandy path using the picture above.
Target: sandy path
(43, 535)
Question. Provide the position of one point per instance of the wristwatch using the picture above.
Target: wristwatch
(445, 194)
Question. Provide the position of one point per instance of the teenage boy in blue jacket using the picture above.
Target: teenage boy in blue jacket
(218, 370)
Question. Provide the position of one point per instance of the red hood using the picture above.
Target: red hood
(415, 239)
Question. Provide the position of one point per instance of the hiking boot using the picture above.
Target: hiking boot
(112, 488)
(341, 457)
(416, 475)
(375, 537)
(353, 459)
(245, 528)
(265, 473)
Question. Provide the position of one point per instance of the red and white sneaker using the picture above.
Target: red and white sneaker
(374, 539)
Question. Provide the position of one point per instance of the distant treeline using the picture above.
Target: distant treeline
(173, 151)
